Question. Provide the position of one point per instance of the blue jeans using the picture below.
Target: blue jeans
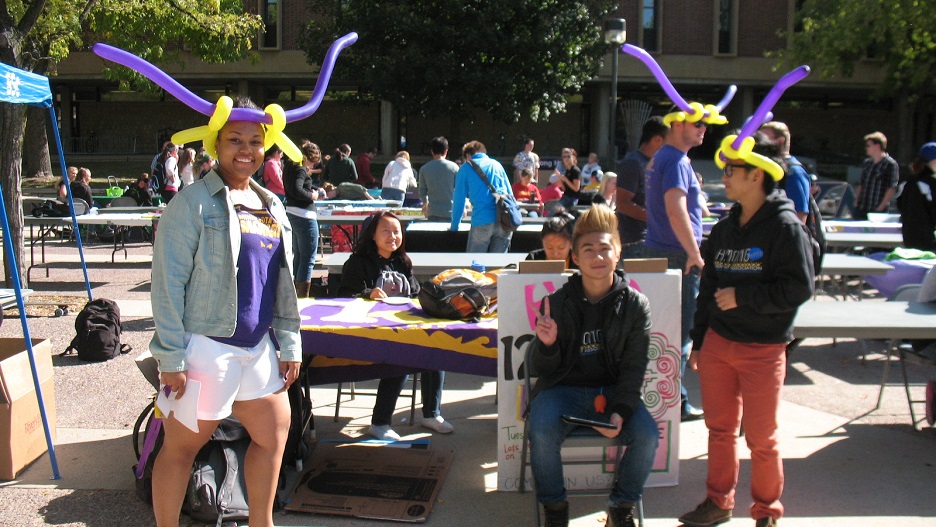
(548, 431)
(393, 194)
(690, 290)
(490, 238)
(568, 202)
(305, 245)
(390, 388)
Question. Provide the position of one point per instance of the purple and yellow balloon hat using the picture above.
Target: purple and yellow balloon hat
(273, 116)
(740, 147)
(689, 112)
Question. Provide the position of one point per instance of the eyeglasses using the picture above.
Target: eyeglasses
(566, 157)
(699, 124)
(729, 168)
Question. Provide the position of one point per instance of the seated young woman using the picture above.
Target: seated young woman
(379, 268)
(556, 237)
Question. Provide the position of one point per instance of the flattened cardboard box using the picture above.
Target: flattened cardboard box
(22, 437)
(382, 483)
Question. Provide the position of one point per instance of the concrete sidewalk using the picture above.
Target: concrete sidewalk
(843, 465)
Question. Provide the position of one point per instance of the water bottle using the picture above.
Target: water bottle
(475, 266)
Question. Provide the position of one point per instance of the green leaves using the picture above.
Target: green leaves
(449, 57)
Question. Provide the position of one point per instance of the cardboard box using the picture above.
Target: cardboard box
(22, 437)
(384, 483)
(541, 267)
(645, 265)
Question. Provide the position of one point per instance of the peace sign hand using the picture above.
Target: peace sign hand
(546, 329)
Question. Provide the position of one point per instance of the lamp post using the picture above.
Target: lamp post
(615, 34)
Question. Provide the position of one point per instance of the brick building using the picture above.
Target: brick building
(702, 50)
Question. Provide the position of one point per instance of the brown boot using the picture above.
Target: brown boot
(302, 289)
(557, 514)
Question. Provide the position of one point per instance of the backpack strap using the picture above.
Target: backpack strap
(152, 433)
(483, 176)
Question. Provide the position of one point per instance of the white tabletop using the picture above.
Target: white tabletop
(864, 239)
(434, 226)
(117, 218)
(861, 226)
(866, 320)
(834, 264)
(434, 263)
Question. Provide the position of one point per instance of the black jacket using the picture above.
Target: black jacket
(360, 272)
(626, 330)
(917, 205)
(769, 262)
(298, 186)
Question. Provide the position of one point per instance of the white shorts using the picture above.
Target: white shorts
(231, 373)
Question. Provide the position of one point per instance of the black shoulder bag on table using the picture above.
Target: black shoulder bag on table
(508, 212)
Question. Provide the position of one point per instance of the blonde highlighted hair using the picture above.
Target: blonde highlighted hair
(598, 218)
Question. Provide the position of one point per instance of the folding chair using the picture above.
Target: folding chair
(580, 437)
(415, 379)
(906, 353)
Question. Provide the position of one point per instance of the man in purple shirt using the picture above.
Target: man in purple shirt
(674, 224)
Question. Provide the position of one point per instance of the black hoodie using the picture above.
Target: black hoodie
(625, 324)
(769, 262)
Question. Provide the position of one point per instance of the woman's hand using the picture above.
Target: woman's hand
(289, 371)
(546, 329)
(175, 380)
(693, 362)
(377, 293)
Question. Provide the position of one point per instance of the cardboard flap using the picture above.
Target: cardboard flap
(15, 373)
(541, 267)
(645, 265)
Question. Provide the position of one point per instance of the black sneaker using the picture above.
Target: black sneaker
(706, 515)
(557, 514)
(622, 516)
(766, 522)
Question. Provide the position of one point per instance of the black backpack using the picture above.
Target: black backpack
(459, 294)
(813, 221)
(98, 332)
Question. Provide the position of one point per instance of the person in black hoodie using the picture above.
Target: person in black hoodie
(590, 354)
(916, 202)
(759, 269)
(379, 268)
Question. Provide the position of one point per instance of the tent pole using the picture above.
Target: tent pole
(71, 203)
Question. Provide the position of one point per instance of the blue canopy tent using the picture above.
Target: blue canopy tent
(22, 87)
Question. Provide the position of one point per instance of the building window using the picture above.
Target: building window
(726, 27)
(650, 25)
(270, 12)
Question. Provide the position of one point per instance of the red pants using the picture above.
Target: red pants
(742, 382)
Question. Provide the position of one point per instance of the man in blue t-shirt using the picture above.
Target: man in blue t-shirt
(631, 213)
(674, 224)
(797, 181)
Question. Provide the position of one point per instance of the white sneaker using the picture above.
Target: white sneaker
(438, 424)
(383, 432)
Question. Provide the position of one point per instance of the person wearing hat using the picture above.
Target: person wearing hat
(916, 202)
(140, 191)
(552, 192)
(759, 268)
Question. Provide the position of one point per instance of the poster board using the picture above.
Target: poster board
(519, 294)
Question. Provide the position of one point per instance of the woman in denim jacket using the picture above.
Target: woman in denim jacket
(221, 282)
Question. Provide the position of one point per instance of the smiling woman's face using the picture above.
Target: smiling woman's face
(240, 152)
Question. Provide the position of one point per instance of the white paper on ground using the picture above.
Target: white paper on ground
(185, 408)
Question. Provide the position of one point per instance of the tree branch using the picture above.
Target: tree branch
(31, 16)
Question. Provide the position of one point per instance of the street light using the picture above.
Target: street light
(615, 33)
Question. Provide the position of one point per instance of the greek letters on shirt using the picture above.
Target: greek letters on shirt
(749, 260)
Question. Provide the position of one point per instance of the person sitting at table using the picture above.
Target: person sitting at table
(60, 190)
(526, 191)
(556, 238)
(552, 192)
(140, 191)
(379, 268)
(590, 354)
(80, 188)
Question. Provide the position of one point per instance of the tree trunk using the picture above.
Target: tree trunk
(12, 126)
(36, 161)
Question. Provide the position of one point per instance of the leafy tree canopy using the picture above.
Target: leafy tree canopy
(832, 35)
(448, 57)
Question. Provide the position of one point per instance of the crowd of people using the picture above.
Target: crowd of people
(591, 335)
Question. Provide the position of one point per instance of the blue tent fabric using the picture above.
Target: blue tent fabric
(23, 87)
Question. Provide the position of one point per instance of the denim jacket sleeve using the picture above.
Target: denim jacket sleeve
(177, 239)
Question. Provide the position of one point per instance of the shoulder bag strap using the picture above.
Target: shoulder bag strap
(483, 177)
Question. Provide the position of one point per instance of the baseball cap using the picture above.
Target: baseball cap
(928, 151)
(553, 178)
